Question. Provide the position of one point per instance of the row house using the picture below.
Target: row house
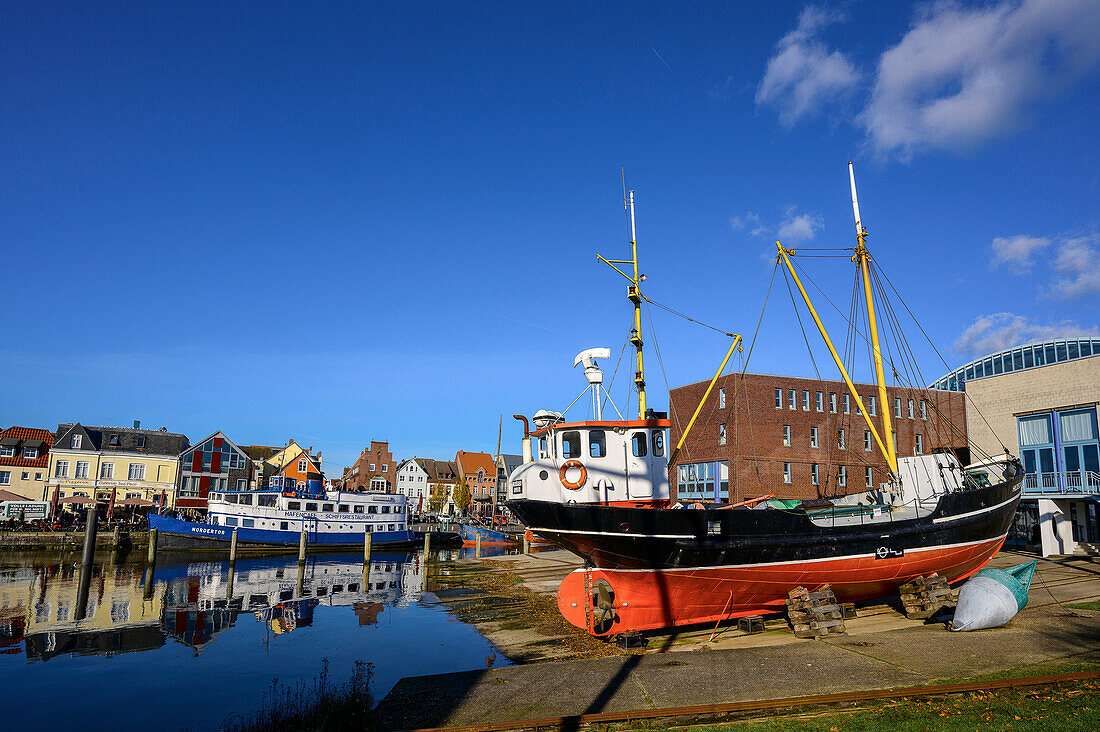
(373, 470)
(304, 470)
(262, 469)
(506, 465)
(479, 472)
(420, 477)
(25, 461)
(214, 464)
(115, 462)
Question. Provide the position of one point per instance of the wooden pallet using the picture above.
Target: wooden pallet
(926, 596)
(815, 614)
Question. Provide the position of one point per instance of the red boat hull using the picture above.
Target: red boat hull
(645, 599)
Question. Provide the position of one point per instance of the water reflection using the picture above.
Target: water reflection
(196, 621)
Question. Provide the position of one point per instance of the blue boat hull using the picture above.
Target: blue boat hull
(176, 534)
(488, 536)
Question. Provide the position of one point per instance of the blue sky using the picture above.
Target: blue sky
(345, 222)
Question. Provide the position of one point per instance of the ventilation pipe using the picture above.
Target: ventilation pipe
(526, 438)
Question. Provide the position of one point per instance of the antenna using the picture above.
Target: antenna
(593, 373)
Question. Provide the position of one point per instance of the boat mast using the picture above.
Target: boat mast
(634, 294)
(862, 256)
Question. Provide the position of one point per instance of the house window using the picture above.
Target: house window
(597, 443)
(820, 401)
(5, 477)
(7, 451)
(372, 466)
(30, 453)
(721, 397)
(136, 472)
(791, 395)
(240, 484)
(847, 404)
(113, 442)
(871, 405)
(81, 469)
(897, 408)
(74, 442)
(106, 470)
(721, 434)
(867, 440)
(38, 476)
(910, 409)
(61, 470)
(814, 474)
(385, 468)
(26, 475)
(303, 465)
(786, 435)
(832, 402)
(786, 472)
(868, 478)
(920, 444)
(813, 437)
(923, 409)
(840, 439)
(778, 398)
(842, 476)
(805, 401)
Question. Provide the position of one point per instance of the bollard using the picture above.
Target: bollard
(427, 544)
(151, 558)
(301, 577)
(366, 547)
(526, 544)
(89, 537)
(233, 547)
(81, 609)
(302, 548)
(147, 592)
(477, 547)
(116, 540)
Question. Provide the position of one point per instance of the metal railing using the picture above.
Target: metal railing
(1065, 482)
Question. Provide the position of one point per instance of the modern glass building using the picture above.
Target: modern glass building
(1030, 356)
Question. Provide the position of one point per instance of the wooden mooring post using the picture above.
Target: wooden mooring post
(232, 564)
(89, 537)
(302, 548)
(427, 544)
(150, 565)
(477, 547)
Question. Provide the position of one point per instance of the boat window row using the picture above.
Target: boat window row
(252, 523)
(343, 507)
(641, 442)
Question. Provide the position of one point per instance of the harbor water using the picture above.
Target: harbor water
(199, 643)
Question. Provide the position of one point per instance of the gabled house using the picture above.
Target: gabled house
(420, 478)
(214, 464)
(262, 470)
(506, 465)
(479, 472)
(25, 461)
(118, 462)
(373, 470)
(303, 474)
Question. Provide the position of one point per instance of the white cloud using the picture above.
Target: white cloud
(792, 229)
(797, 228)
(1016, 251)
(803, 73)
(962, 75)
(1078, 263)
(998, 331)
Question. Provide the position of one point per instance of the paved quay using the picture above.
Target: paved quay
(883, 649)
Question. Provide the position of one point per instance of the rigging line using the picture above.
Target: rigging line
(687, 317)
(798, 317)
(938, 354)
(660, 361)
(611, 384)
(760, 320)
(574, 401)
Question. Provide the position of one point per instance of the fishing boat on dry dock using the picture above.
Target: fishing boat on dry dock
(600, 488)
(278, 518)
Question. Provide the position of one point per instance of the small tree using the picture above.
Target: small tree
(462, 495)
(437, 497)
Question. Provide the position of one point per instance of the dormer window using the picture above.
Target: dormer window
(141, 441)
(74, 442)
(30, 453)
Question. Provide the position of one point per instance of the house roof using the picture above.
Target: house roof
(121, 439)
(9, 496)
(440, 471)
(27, 437)
(218, 433)
(260, 452)
(511, 462)
(471, 462)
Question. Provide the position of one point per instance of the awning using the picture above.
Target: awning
(135, 502)
(79, 500)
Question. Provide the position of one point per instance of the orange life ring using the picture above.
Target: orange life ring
(565, 468)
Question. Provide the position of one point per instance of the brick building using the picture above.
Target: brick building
(801, 438)
(374, 469)
(214, 464)
(25, 461)
(479, 471)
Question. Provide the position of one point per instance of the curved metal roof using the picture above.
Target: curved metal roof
(1019, 358)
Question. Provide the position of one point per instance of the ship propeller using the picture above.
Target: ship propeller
(603, 608)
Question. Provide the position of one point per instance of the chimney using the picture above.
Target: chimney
(137, 424)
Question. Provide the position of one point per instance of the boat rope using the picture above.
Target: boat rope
(611, 384)
(688, 317)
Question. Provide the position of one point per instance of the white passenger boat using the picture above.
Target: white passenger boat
(278, 519)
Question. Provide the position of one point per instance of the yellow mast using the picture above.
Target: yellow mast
(891, 459)
(862, 256)
(710, 386)
(634, 294)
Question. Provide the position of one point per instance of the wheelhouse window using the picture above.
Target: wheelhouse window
(658, 443)
(542, 447)
(597, 443)
(638, 442)
(570, 444)
(294, 506)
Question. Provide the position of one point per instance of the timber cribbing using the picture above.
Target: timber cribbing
(704, 710)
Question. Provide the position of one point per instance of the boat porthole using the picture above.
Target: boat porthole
(543, 475)
(574, 604)
(624, 527)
